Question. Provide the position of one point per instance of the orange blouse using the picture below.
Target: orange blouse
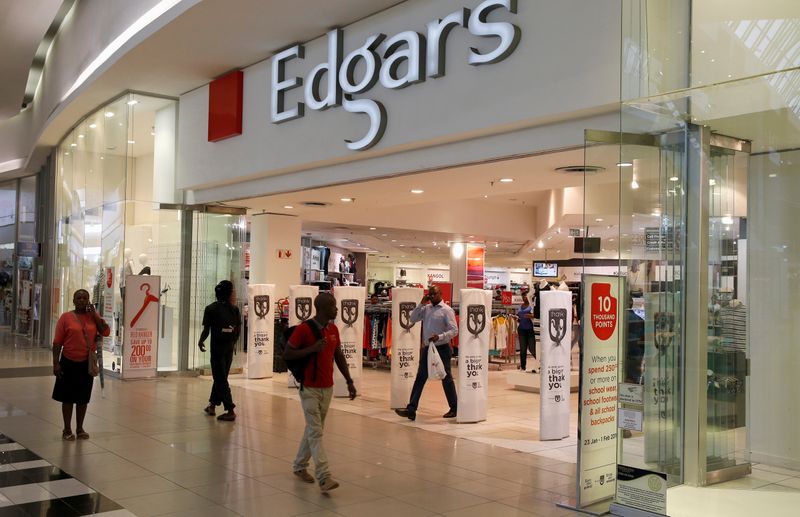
(69, 334)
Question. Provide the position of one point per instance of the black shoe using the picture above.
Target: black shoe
(450, 414)
(228, 416)
(405, 413)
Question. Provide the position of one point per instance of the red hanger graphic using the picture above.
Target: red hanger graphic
(148, 298)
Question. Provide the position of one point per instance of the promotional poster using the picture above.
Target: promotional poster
(261, 331)
(142, 310)
(473, 355)
(405, 344)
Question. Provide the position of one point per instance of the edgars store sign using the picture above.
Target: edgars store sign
(379, 59)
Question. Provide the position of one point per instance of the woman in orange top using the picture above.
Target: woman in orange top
(76, 332)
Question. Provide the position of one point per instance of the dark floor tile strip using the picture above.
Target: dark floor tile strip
(88, 504)
(49, 508)
(17, 456)
(28, 476)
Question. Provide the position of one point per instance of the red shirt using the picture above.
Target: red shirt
(303, 337)
(69, 334)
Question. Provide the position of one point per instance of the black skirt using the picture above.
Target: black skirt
(75, 384)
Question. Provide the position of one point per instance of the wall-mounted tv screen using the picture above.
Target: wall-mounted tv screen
(545, 269)
(587, 245)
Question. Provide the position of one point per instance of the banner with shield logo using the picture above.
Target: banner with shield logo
(405, 344)
(261, 330)
(556, 341)
(350, 322)
(301, 308)
(473, 354)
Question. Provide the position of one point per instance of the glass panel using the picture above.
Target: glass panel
(216, 255)
(8, 234)
(26, 263)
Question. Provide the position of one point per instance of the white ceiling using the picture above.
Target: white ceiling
(23, 24)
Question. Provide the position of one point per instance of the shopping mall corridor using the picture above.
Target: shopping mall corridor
(152, 451)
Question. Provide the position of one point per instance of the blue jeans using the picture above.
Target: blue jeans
(422, 377)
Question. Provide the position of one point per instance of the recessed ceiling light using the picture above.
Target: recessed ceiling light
(66, 154)
(598, 220)
(102, 157)
(634, 184)
(540, 244)
(486, 196)
(81, 136)
(372, 228)
(73, 144)
(674, 178)
(133, 102)
(131, 141)
(471, 237)
(625, 164)
(384, 235)
(109, 114)
(346, 200)
(506, 180)
(394, 240)
(402, 245)
(92, 126)
(773, 175)
(288, 207)
(417, 191)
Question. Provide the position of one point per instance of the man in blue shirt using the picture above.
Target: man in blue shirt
(438, 329)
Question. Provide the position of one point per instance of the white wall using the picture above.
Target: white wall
(268, 234)
(774, 326)
(533, 87)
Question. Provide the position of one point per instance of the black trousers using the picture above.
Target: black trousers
(448, 383)
(527, 341)
(221, 359)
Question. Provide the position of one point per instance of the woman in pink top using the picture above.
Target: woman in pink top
(75, 336)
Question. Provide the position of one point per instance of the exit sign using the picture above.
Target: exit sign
(285, 254)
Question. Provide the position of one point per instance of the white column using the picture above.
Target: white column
(458, 268)
(164, 155)
(271, 236)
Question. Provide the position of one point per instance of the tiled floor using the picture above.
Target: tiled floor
(154, 452)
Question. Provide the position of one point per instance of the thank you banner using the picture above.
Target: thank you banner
(556, 340)
(350, 322)
(142, 309)
(261, 330)
(301, 308)
(405, 344)
(473, 354)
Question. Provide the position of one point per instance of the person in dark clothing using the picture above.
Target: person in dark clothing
(223, 321)
(525, 331)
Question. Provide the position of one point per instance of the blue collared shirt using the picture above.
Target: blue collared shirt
(436, 320)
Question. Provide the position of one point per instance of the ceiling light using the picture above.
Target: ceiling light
(773, 175)
(73, 144)
(486, 196)
(417, 191)
(152, 133)
(81, 136)
(92, 126)
(625, 164)
(131, 141)
(728, 220)
(133, 102)
(402, 245)
(656, 213)
(471, 237)
(384, 235)
(394, 240)
(66, 154)
(346, 200)
(506, 180)
(712, 182)
(288, 207)
(634, 184)
(109, 114)
(540, 244)
(372, 228)
(598, 220)
(674, 178)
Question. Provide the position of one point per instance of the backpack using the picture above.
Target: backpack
(298, 366)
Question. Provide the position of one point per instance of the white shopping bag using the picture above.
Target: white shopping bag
(436, 371)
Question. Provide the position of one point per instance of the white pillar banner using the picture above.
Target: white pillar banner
(301, 308)
(556, 339)
(350, 322)
(474, 332)
(405, 344)
(261, 330)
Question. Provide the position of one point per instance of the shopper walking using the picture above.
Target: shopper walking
(224, 322)
(527, 340)
(438, 329)
(73, 348)
(317, 388)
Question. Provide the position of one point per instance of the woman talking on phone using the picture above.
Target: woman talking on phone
(74, 358)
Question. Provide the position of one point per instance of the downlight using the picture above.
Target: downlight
(580, 169)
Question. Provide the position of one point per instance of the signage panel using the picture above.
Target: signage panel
(142, 311)
(642, 489)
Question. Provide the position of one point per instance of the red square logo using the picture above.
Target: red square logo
(225, 97)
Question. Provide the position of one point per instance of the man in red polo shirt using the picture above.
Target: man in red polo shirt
(315, 396)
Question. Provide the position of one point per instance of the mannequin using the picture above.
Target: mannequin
(143, 261)
(127, 269)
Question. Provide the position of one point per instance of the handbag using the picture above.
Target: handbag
(436, 371)
(94, 368)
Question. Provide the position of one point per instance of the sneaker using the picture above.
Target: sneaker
(304, 475)
(405, 413)
(228, 416)
(328, 484)
(450, 414)
(210, 410)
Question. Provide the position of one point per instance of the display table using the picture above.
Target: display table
(526, 381)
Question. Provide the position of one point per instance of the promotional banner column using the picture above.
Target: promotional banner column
(261, 330)
(142, 308)
(405, 344)
(350, 322)
(473, 354)
(301, 308)
(556, 340)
